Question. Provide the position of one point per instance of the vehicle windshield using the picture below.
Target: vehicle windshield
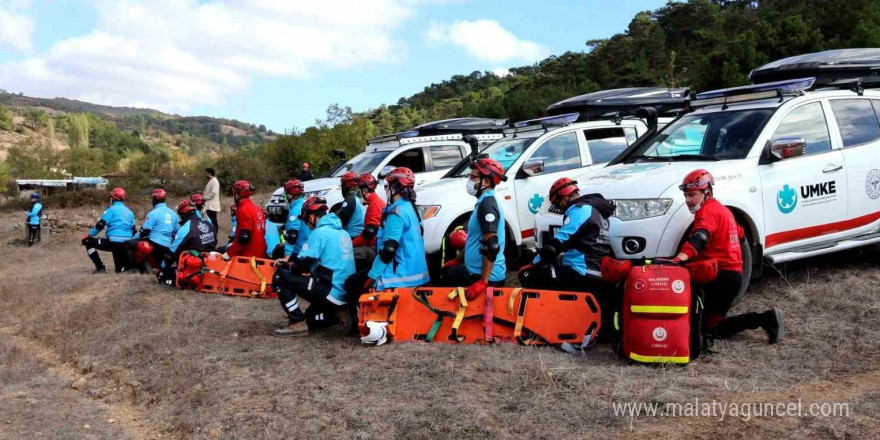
(362, 163)
(710, 136)
(506, 151)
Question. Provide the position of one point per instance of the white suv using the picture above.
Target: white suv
(797, 161)
(430, 150)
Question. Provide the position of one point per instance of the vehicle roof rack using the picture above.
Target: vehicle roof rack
(828, 67)
(778, 89)
(445, 129)
(544, 123)
(617, 103)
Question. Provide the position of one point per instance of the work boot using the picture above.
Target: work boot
(101, 269)
(774, 326)
(295, 329)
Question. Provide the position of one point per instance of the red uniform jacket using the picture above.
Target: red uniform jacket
(724, 236)
(251, 218)
(373, 216)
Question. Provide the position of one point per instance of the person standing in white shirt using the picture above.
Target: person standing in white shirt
(212, 195)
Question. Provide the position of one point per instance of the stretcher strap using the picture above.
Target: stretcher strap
(225, 272)
(512, 299)
(488, 325)
(259, 275)
(520, 315)
(459, 316)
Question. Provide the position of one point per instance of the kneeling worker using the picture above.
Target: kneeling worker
(250, 226)
(120, 225)
(483, 256)
(194, 234)
(365, 243)
(317, 274)
(715, 235)
(582, 241)
(160, 225)
(296, 233)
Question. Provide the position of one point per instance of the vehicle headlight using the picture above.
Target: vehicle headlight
(634, 209)
(428, 211)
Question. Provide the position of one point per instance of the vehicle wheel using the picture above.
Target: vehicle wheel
(746, 248)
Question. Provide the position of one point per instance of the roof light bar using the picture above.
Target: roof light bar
(735, 99)
(783, 87)
(561, 120)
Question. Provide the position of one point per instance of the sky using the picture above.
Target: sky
(281, 63)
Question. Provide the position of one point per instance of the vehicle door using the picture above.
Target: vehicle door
(605, 143)
(804, 196)
(413, 158)
(441, 158)
(860, 137)
(558, 156)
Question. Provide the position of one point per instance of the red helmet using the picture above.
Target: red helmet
(491, 169)
(349, 180)
(703, 271)
(293, 187)
(143, 252)
(184, 207)
(312, 205)
(562, 188)
(305, 164)
(698, 179)
(159, 194)
(243, 188)
(197, 200)
(367, 181)
(614, 270)
(403, 176)
(117, 194)
(458, 238)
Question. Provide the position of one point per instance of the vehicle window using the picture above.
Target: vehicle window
(362, 163)
(445, 156)
(856, 120)
(606, 143)
(559, 153)
(807, 122)
(631, 135)
(506, 151)
(413, 159)
(711, 136)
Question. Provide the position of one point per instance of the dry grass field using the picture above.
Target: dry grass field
(117, 356)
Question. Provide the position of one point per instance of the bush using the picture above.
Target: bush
(69, 199)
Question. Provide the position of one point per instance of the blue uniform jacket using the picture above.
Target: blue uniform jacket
(33, 216)
(487, 217)
(163, 223)
(119, 223)
(331, 248)
(409, 268)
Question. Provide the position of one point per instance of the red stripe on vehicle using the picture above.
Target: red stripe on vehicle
(817, 231)
(528, 233)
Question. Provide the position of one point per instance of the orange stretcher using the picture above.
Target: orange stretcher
(516, 315)
(240, 276)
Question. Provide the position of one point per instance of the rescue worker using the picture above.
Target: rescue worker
(194, 234)
(296, 233)
(34, 217)
(317, 274)
(401, 261)
(582, 241)
(231, 235)
(365, 243)
(482, 262)
(250, 228)
(120, 228)
(715, 235)
(160, 225)
(350, 211)
(198, 201)
(272, 236)
(305, 175)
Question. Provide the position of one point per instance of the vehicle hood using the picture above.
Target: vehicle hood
(319, 184)
(636, 181)
(444, 191)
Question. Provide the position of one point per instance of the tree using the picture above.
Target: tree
(78, 131)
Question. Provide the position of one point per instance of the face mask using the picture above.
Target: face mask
(472, 188)
(698, 205)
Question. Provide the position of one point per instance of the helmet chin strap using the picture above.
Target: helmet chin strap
(699, 205)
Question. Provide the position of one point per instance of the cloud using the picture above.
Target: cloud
(174, 54)
(486, 40)
(16, 29)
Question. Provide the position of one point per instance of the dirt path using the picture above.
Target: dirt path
(123, 415)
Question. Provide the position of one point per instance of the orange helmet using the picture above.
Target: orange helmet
(117, 194)
(458, 238)
(698, 179)
(243, 188)
(294, 187)
(491, 169)
(614, 270)
(562, 188)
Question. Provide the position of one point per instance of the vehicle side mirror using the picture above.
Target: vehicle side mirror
(787, 148)
(533, 167)
(339, 153)
(385, 171)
